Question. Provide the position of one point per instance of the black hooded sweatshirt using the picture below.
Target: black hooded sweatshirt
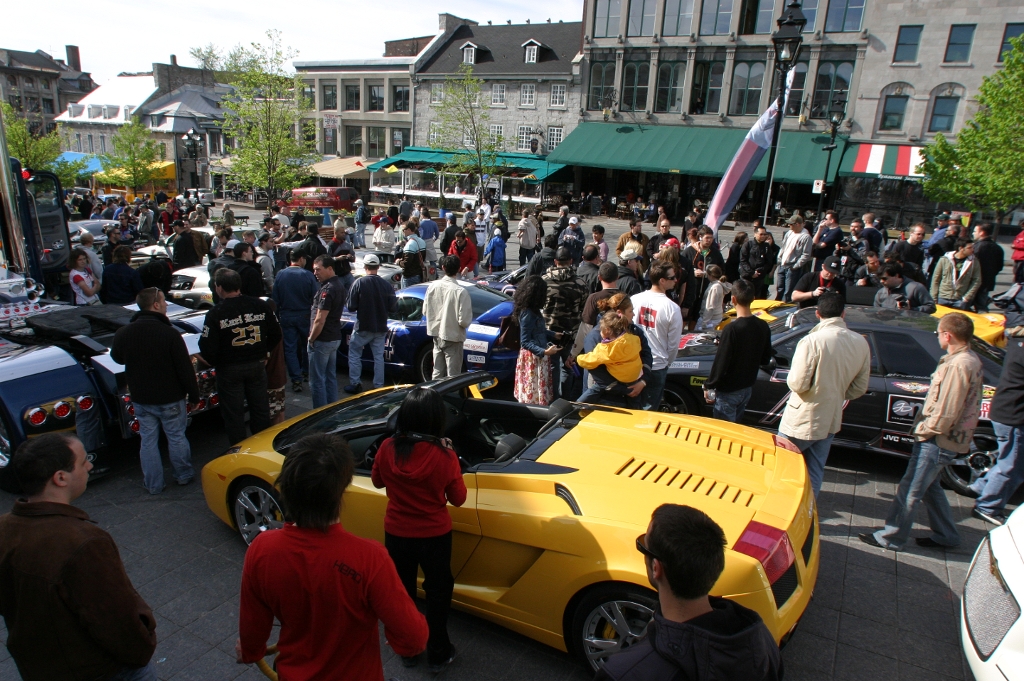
(731, 643)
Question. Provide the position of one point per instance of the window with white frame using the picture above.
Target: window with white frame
(436, 93)
(554, 137)
(527, 94)
(468, 55)
(497, 94)
(531, 54)
(557, 95)
(497, 132)
(103, 144)
(435, 132)
(523, 138)
(467, 140)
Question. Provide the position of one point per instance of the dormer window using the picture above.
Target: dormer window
(531, 54)
(468, 55)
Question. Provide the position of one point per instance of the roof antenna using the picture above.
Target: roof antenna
(549, 20)
(527, 21)
(508, 21)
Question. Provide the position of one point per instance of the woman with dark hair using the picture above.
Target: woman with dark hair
(422, 474)
(327, 587)
(84, 286)
(121, 283)
(732, 263)
(533, 367)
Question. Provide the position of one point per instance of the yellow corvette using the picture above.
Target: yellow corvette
(989, 327)
(545, 543)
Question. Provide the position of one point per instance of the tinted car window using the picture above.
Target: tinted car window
(903, 355)
(483, 299)
(410, 309)
(375, 407)
(784, 350)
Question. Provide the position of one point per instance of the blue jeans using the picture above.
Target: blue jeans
(921, 482)
(651, 396)
(785, 281)
(323, 371)
(1003, 479)
(295, 329)
(730, 406)
(147, 673)
(359, 237)
(173, 418)
(409, 281)
(356, 343)
(815, 455)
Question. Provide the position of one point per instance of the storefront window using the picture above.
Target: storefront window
(634, 86)
(669, 95)
(375, 142)
(353, 141)
(399, 140)
(708, 78)
(747, 80)
(602, 83)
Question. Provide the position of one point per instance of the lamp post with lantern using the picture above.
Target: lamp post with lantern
(837, 113)
(787, 42)
(193, 147)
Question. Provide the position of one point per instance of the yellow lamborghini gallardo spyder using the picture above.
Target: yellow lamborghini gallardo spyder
(545, 544)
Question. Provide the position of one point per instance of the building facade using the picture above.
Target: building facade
(903, 72)
(40, 87)
(531, 81)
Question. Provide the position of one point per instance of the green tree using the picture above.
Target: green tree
(208, 57)
(265, 114)
(39, 152)
(983, 169)
(133, 156)
(462, 128)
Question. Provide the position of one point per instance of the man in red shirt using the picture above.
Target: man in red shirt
(327, 587)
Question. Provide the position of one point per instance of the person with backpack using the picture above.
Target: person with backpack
(494, 253)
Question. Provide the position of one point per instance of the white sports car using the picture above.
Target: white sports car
(992, 630)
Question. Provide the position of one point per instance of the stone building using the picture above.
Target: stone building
(903, 71)
(40, 87)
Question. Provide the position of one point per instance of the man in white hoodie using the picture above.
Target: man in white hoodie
(662, 321)
(794, 260)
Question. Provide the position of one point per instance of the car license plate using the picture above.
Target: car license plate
(476, 359)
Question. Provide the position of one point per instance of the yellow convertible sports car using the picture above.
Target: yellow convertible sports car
(546, 541)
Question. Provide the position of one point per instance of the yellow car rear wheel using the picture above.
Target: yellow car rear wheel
(256, 508)
(609, 619)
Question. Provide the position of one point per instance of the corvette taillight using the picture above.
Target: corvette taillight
(37, 416)
(769, 546)
(785, 443)
(62, 410)
(214, 399)
(85, 403)
(134, 425)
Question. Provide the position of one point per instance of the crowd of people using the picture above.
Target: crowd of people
(589, 325)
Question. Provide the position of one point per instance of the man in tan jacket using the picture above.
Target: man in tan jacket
(831, 365)
(943, 429)
(449, 312)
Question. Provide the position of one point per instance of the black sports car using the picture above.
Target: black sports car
(904, 353)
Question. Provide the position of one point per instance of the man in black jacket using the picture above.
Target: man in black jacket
(160, 375)
(663, 235)
(312, 247)
(588, 269)
(238, 334)
(693, 635)
(250, 272)
(943, 246)
(544, 260)
(757, 258)
(186, 251)
(990, 255)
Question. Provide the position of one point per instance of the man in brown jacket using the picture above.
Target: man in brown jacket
(70, 609)
(943, 429)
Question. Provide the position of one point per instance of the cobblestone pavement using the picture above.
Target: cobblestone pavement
(875, 614)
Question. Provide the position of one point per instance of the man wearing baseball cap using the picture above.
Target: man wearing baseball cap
(813, 284)
(572, 237)
(371, 299)
(629, 272)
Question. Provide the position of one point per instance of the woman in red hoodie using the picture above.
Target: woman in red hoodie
(422, 474)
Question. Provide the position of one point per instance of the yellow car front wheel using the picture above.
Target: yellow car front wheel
(256, 508)
(609, 619)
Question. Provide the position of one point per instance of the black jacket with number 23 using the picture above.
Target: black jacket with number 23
(239, 330)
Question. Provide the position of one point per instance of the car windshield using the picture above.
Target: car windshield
(483, 299)
(373, 407)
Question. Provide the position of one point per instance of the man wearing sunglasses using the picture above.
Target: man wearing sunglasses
(902, 293)
(693, 635)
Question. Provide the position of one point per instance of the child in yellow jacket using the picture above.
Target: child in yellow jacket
(618, 352)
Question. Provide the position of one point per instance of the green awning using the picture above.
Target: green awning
(524, 163)
(689, 150)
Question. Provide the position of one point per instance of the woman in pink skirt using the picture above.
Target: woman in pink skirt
(534, 383)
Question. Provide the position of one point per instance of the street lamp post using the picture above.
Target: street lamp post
(193, 146)
(787, 41)
(838, 111)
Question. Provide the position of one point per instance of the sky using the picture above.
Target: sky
(115, 36)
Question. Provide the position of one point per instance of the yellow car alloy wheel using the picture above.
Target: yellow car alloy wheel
(256, 509)
(610, 619)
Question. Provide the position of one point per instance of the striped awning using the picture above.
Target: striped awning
(883, 161)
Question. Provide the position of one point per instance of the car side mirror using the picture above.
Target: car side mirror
(771, 366)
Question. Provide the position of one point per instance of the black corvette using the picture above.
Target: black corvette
(904, 353)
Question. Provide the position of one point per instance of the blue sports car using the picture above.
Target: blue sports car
(408, 349)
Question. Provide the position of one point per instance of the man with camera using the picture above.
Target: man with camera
(814, 284)
(902, 293)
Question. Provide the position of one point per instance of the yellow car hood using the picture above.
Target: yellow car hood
(629, 463)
